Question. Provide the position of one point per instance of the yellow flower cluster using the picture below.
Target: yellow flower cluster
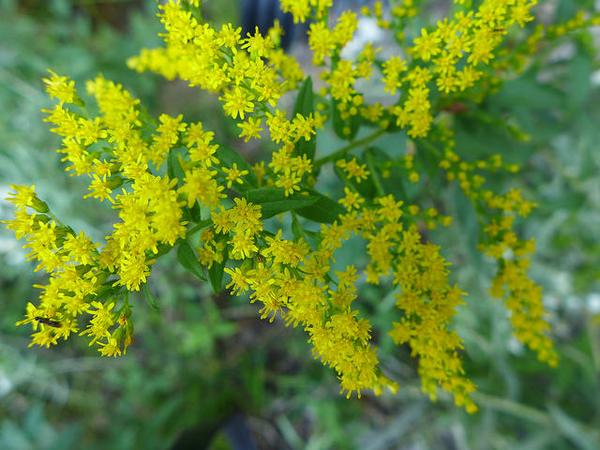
(454, 55)
(172, 186)
(429, 303)
(75, 278)
(522, 296)
(301, 10)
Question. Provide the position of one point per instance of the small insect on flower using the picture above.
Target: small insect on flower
(49, 322)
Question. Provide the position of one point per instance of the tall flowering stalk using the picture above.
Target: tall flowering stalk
(173, 185)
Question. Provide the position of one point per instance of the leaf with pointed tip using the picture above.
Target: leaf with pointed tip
(215, 273)
(188, 259)
(150, 298)
(305, 107)
(323, 210)
(174, 169)
(228, 156)
(273, 201)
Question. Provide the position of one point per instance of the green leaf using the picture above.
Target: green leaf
(273, 201)
(150, 298)
(527, 92)
(467, 219)
(305, 100)
(163, 249)
(340, 124)
(215, 273)
(229, 156)
(296, 227)
(375, 176)
(195, 213)
(323, 210)
(188, 259)
(578, 83)
(428, 156)
(573, 430)
(305, 107)
(174, 169)
(106, 291)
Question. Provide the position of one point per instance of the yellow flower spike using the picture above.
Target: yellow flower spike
(352, 200)
(237, 102)
(100, 189)
(80, 248)
(22, 196)
(426, 45)
(290, 278)
(257, 45)
(301, 10)
(289, 182)
(61, 88)
(200, 184)
(246, 217)
(392, 70)
(230, 37)
(354, 170)
(103, 318)
(321, 41)
(110, 347)
(303, 127)
(243, 245)
(167, 135)
(234, 175)
(345, 28)
(44, 338)
(250, 129)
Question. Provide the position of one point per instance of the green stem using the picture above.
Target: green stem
(593, 340)
(200, 226)
(374, 174)
(296, 223)
(513, 408)
(342, 151)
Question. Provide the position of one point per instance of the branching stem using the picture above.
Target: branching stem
(342, 151)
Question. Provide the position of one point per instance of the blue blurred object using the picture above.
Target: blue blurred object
(263, 13)
(239, 435)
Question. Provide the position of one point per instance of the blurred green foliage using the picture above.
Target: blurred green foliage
(199, 358)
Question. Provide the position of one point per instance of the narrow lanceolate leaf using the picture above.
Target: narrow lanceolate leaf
(305, 100)
(228, 156)
(346, 129)
(174, 169)
(305, 107)
(188, 259)
(273, 201)
(323, 210)
(374, 172)
(296, 227)
(215, 273)
(150, 298)
(196, 213)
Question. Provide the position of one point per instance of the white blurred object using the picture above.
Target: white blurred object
(9, 246)
(368, 32)
(593, 303)
(515, 346)
(5, 384)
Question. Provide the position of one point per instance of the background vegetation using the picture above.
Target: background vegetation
(204, 370)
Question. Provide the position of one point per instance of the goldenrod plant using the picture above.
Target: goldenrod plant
(270, 230)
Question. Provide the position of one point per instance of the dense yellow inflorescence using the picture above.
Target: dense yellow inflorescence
(172, 185)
